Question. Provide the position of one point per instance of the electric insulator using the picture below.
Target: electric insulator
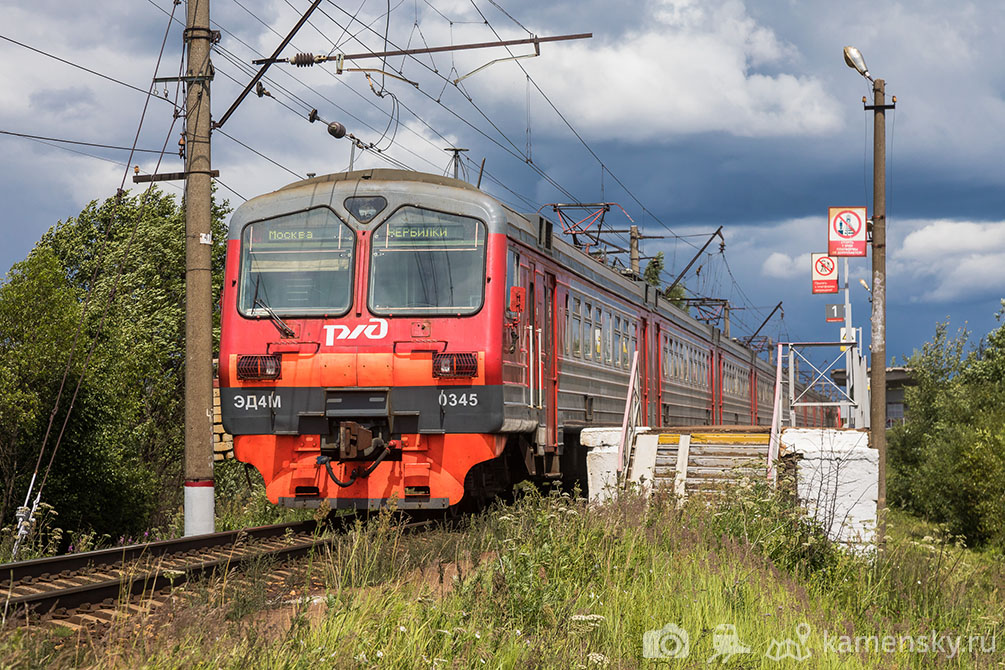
(303, 60)
(336, 130)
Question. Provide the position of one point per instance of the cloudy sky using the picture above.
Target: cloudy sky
(690, 114)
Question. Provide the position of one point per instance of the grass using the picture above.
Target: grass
(551, 582)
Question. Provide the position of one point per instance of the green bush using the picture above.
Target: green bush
(947, 460)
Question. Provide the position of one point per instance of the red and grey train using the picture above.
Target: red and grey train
(397, 335)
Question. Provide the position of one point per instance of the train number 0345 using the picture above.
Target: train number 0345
(455, 399)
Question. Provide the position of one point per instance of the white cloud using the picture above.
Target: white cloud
(947, 260)
(692, 68)
(783, 266)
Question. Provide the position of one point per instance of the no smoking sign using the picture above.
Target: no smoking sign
(825, 275)
(846, 231)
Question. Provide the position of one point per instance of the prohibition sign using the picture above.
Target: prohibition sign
(847, 224)
(825, 266)
(825, 278)
(846, 234)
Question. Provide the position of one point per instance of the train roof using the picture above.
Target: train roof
(385, 174)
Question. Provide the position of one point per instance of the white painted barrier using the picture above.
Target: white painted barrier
(836, 480)
(836, 474)
(602, 460)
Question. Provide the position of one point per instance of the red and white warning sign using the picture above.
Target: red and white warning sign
(825, 273)
(846, 231)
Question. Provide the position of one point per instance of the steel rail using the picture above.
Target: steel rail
(16, 572)
(147, 579)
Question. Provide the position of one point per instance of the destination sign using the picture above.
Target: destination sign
(269, 235)
(420, 232)
(427, 234)
(291, 235)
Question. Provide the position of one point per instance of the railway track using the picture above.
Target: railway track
(92, 587)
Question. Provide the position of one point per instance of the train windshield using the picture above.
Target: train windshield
(299, 264)
(426, 262)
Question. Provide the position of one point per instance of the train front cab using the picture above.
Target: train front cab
(361, 339)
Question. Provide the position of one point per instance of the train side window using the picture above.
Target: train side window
(575, 330)
(588, 331)
(512, 270)
(575, 336)
(607, 338)
(664, 367)
(671, 361)
(598, 339)
(635, 343)
(629, 346)
(617, 341)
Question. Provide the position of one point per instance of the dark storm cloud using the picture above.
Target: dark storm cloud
(63, 103)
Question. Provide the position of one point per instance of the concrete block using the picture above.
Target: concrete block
(836, 479)
(601, 473)
(600, 437)
(644, 464)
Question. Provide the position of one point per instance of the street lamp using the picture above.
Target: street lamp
(877, 408)
(853, 57)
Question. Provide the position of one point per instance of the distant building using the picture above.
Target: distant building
(897, 379)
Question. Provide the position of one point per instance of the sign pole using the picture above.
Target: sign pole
(849, 351)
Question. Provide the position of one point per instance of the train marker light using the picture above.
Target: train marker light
(259, 368)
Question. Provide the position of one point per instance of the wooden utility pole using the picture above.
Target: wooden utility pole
(877, 380)
(633, 249)
(199, 504)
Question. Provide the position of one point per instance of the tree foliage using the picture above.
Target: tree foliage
(119, 462)
(947, 461)
(654, 268)
(652, 276)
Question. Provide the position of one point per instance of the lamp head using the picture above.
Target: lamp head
(864, 285)
(853, 57)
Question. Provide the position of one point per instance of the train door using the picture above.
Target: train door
(711, 358)
(530, 337)
(645, 373)
(717, 388)
(549, 378)
(542, 371)
(658, 372)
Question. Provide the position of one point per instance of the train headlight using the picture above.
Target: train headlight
(259, 368)
(455, 365)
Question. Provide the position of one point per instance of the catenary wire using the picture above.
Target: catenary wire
(77, 142)
(81, 67)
